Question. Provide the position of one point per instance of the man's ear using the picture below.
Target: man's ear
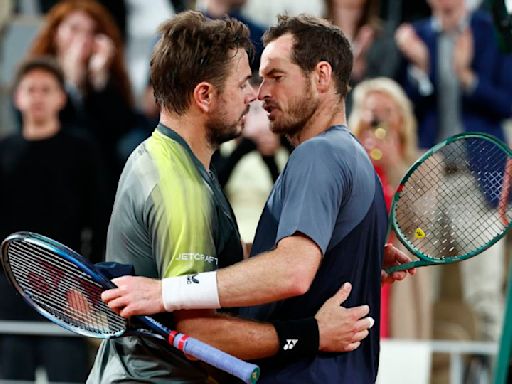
(204, 96)
(323, 76)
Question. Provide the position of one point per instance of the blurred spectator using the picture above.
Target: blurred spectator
(459, 81)
(457, 77)
(84, 39)
(116, 8)
(383, 120)
(50, 185)
(375, 52)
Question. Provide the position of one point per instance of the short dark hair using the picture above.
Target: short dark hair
(192, 49)
(43, 63)
(316, 40)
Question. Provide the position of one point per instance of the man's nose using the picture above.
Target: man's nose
(263, 91)
(252, 95)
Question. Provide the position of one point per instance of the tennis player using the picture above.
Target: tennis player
(170, 218)
(324, 223)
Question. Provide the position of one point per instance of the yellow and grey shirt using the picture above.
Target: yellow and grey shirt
(170, 218)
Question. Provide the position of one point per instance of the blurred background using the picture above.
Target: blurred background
(423, 70)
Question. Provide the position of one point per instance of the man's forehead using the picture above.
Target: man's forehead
(240, 62)
(38, 75)
(276, 53)
(239, 56)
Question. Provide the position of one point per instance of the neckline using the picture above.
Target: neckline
(172, 134)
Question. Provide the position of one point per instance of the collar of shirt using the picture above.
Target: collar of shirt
(437, 26)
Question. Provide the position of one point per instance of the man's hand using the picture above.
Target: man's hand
(103, 52)
(393, 256)
(73, 61)
(135, 295)
(412, 47)
(342, 329)
(463, 53)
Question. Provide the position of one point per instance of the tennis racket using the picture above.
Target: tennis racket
(454, 202)
(66, 288)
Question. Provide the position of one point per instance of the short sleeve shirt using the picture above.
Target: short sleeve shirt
(330, 193)
(170, 218)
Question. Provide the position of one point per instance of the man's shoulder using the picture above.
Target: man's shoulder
(336, 144)
(158, 164)
(483, 28)
(166, 152)
(11, 138)
(11, 145)
(481, 18)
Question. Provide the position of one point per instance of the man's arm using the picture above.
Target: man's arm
(242, 338)
(284, 272)
(340, 329)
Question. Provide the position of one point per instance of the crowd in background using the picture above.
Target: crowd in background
(422, 71)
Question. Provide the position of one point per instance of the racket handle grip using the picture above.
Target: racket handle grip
(412, 264)
(247, 372)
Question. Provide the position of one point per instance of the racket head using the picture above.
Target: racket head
(422, 200)
(60, 284)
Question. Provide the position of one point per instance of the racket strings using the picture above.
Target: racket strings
(61, 289)
(455, 201)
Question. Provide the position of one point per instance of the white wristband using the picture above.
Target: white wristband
(191, 292)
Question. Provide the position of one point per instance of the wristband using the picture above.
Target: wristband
(297, 338)
(197, 291)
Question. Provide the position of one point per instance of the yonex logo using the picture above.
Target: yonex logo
(290, 343)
